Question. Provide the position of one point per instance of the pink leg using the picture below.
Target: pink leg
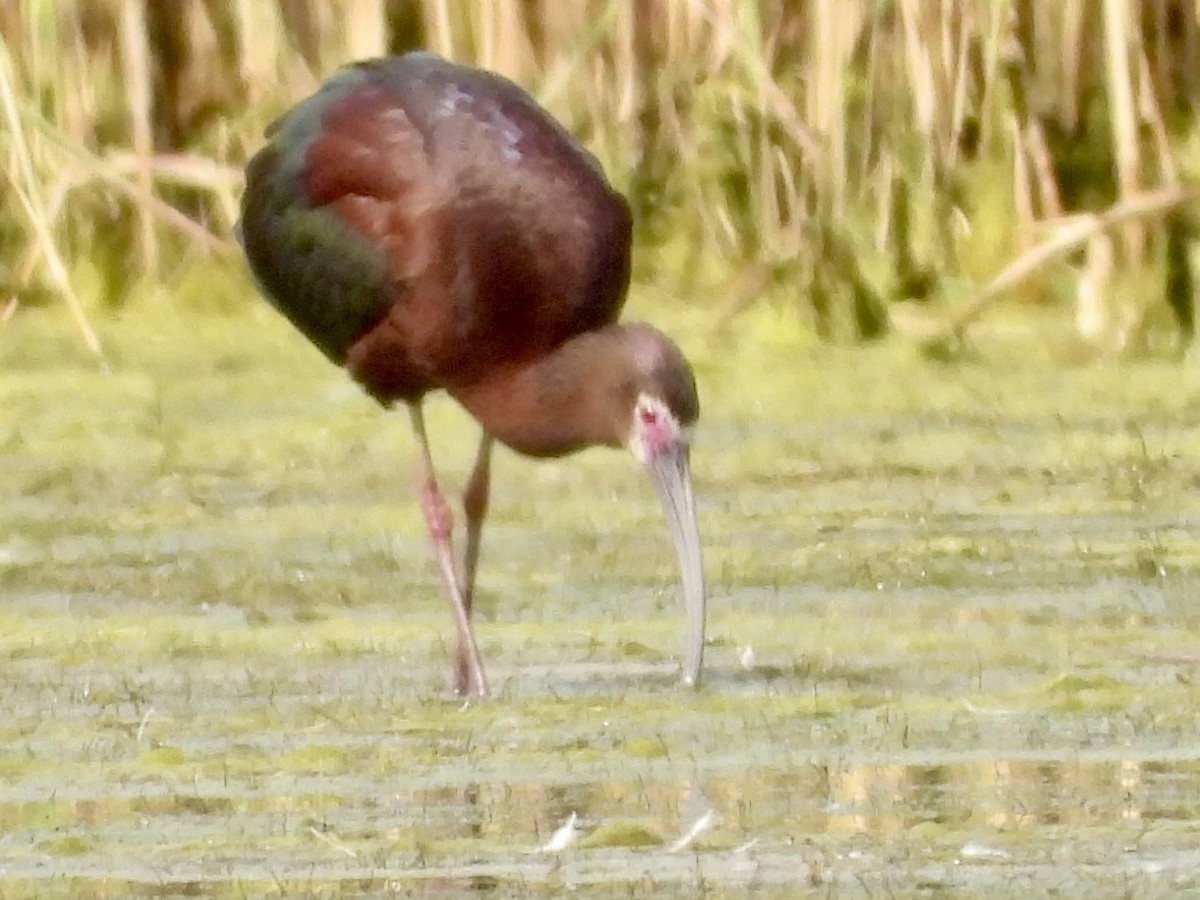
(468, 667)
(475, 502)
(475, 505)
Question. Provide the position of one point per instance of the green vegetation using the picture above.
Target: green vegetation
(834, 157)
(953, 627)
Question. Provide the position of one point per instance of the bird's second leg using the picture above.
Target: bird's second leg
(475, 504)
(468, 667)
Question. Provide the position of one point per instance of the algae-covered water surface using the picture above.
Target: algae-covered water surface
(953, 630)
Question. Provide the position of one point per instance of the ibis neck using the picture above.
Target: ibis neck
(555, 404)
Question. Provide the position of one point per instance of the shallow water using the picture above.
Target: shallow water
(953, 636)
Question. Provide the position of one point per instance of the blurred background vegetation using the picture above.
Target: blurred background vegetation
(855, 158)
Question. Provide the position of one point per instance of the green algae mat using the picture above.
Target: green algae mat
(954, 630)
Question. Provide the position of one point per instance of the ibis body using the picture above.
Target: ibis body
(428, 226)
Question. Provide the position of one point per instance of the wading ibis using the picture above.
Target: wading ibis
(429, 226)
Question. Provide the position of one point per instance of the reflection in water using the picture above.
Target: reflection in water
(773, 825)
(1001, 793)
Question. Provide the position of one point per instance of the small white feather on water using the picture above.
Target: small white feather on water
(976, 850)
(701, 825)
(563, 837)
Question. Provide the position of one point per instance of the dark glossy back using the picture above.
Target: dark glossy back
(425, 223)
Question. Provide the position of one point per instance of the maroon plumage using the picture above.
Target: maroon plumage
(428, 225)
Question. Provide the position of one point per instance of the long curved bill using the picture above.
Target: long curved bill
(672, 474)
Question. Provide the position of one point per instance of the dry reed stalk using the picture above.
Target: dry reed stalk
(1150, 112)
(920, 71)
(1033, 169)
(1021, 187)
(505, 42)
(365, 28)
(439, 29)
(1042, 162)
(111, 175)
(1189, 62)
(582, 70)
(960, 78)
(873, 153)
(266, 61)
(994, 41)
(1079, 229)
(135, 62)
(76, 167)
(1072, 62)
(27, 189)
(824, 101)
(1123, 116)
(642, 85)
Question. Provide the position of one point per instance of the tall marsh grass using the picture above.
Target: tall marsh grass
(846, 153)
